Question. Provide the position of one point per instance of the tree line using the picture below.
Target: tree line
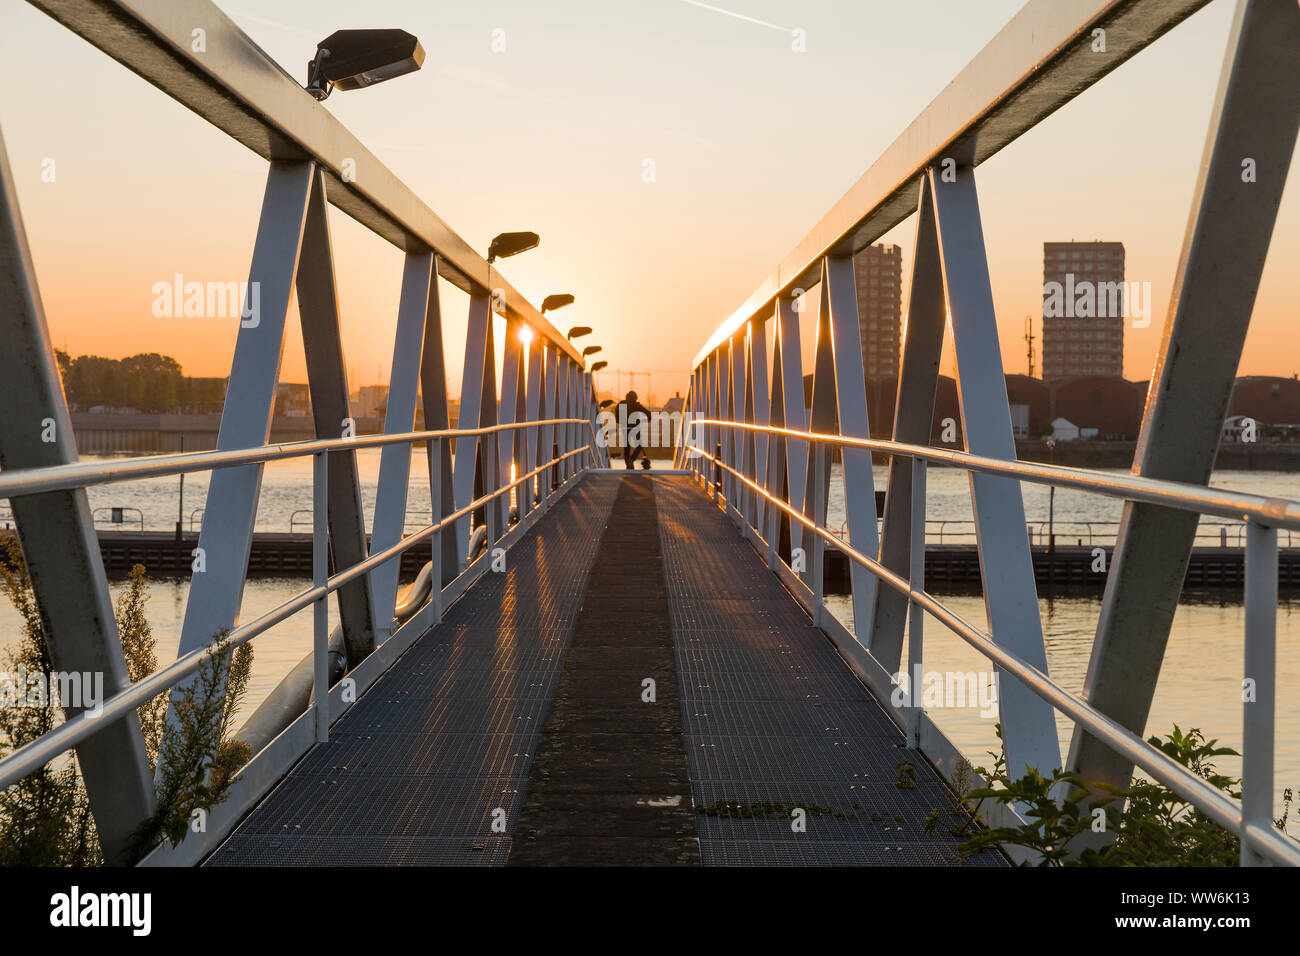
(147, 382)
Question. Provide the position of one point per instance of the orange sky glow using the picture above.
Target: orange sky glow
(751, 143)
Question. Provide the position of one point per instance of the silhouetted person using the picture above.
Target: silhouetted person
(633, 423)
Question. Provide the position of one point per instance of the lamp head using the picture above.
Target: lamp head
(352, 59)
(511, 244)
(556, 301)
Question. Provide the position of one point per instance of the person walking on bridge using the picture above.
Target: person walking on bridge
(633, 424)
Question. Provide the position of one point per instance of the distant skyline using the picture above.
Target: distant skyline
(749, 142)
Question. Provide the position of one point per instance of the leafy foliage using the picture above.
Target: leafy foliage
(45, 818)
(147, 382)
(139, 648)
(1157, 826)
(197, 761)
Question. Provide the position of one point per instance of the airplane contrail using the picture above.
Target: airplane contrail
(738, 16)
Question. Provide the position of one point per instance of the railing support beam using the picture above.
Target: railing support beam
(58, 539)
(1259, 689)
(320, 608)
(327, 379)
(1006, 566)
(1255, 118)
(217, 585)
(918, 381)
(419, 298)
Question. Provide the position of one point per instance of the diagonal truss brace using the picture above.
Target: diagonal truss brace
(322, 339)
(59, 544)
(419, 301)
(221, 560)
(1006, 565)
(1255, 119)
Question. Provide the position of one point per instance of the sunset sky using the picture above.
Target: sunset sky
(751, 144)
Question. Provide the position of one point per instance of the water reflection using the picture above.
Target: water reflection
(1200, 682)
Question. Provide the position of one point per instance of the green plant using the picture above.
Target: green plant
(931, 820)
(767, 810)
(906, 775)
(1050, 826)
(1156, 827)
(139, 649)
(1160, 828)
(196, 759)
(961, 790)
(45, 818)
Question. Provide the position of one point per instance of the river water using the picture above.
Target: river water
(1199, 684)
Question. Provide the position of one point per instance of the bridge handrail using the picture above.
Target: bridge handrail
(1235, 505)
(30, 481)
(48, 746)
(1039, 526)
(1199, 792)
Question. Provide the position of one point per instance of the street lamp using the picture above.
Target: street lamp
(511, 244)
(558, 301)
(578, 331)
(590, 350)
(597, 366)
(351, 59)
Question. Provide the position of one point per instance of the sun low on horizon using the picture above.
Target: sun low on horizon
(670, 155)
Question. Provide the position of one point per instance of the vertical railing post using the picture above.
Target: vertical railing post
(717, 471)
(488, 449)
(435, 507)
(698, 410)
(320, 608)
(1259, 686)
(915, 613)
(818, 556)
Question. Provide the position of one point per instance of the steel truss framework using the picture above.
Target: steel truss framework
(544, 384)
(765, 454)
(778, 494)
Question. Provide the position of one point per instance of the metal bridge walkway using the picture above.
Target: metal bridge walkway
(526, 709)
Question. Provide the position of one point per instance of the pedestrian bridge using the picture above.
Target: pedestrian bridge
(635, 663)
(598, 666)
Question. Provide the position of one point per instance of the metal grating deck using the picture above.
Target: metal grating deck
(774, 719)
(765, 711)
(413, 773)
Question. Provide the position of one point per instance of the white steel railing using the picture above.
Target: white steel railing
(69, 734)
(528, 413)
(1252, 818)
(749, 418)
(1216, 534)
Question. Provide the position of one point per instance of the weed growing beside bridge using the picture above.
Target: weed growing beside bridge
(45, 818)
